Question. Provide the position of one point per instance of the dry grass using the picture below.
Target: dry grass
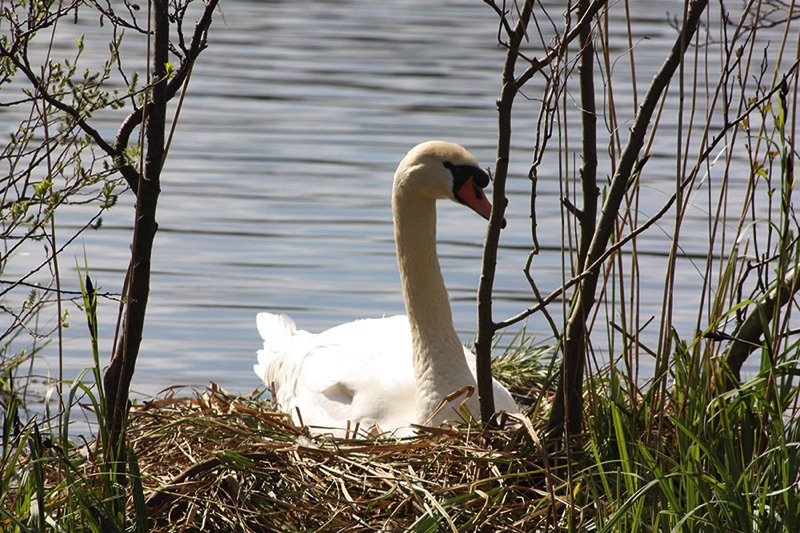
(216, 462)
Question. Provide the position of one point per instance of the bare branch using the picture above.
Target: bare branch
(41, 89)
(747, 337)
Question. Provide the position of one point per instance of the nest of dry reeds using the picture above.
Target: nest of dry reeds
(215, 462)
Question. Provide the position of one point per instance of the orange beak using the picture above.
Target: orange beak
(473, 197)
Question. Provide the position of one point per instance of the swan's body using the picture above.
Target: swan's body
(386, 374)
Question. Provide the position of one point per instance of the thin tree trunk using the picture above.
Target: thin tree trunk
(483, 343)
(588, 213)
(119, 373)
(574, 340)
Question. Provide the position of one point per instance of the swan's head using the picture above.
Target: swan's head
(439, 170)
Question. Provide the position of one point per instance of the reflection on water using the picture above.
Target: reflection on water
(276, 192)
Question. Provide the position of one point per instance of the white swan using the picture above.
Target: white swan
(384, 374)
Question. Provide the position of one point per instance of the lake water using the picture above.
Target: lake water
(276, 192)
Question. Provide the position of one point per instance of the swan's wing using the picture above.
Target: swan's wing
(359, 372)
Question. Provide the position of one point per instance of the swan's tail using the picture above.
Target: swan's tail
(278, 332)
(275, 329)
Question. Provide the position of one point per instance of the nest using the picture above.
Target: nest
(214, 462)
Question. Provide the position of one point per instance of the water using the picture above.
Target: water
(275, 195)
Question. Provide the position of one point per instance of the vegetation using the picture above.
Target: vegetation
(59, 158)
(709, 442)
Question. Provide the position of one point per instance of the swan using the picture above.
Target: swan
(383, 375)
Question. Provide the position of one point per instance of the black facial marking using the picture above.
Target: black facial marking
(461, 173)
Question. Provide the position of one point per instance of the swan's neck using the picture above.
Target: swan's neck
(438, 355)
